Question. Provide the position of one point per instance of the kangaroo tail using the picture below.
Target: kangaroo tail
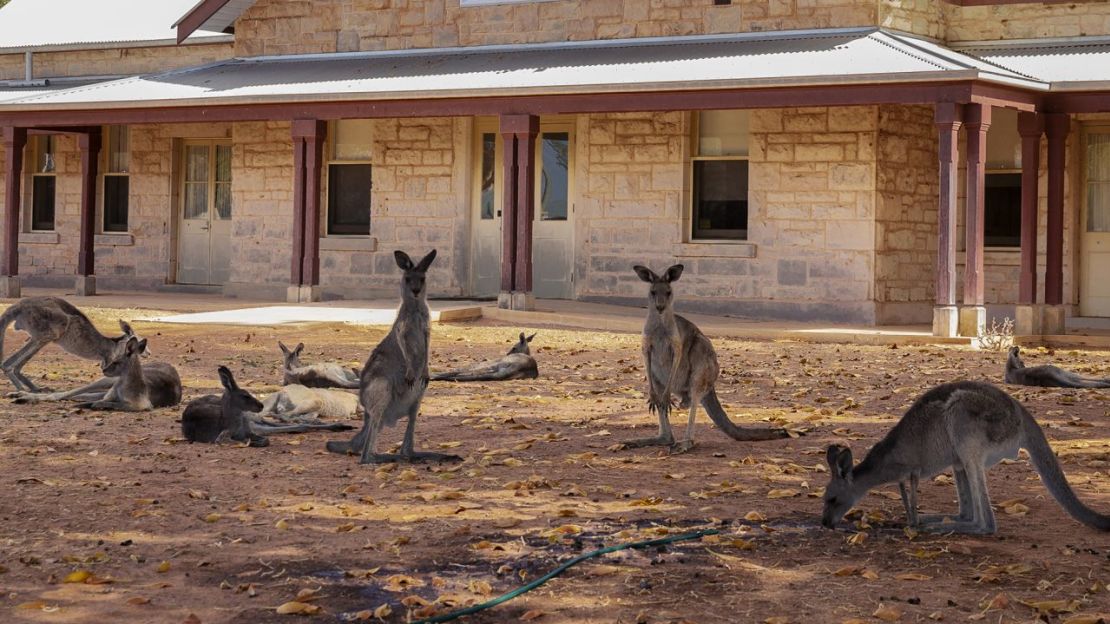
(717, 413)
(1044, 460)
(478, 375)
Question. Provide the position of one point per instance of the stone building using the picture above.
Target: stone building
(901, 161)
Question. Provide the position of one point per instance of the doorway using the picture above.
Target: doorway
(204, 233)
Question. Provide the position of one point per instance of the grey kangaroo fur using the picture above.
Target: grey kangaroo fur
(1046, 375)
(320, 375)
(234, 416)
(135, 387)
(51, 319)
(395, 376)
(518, 363)
(969, 426)
(680, 361)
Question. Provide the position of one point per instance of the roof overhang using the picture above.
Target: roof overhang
(211, 15)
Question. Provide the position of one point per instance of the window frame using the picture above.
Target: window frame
(326, 186)
(552, 126)
(105, 173)
(695, 156)
(36, 146)
(1017, 245)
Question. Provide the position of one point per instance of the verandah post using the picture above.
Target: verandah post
(89, 144)
(518, 132)
(948, 117)
(1057, 126)
(973, 314)
(14, 139)
(304, 278)
(1027, 314)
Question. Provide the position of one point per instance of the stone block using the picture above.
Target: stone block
(9, 287)
(85, 286)
(946, 321)
(973, 321)
(1028, 320)
(1053, 320)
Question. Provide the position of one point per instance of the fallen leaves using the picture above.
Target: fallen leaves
(294, 607)
(887, 613)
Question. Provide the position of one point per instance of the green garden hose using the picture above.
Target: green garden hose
(562, 568)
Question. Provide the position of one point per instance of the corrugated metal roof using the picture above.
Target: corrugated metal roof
(755, 59)
(1068, 65)
(224, 17)
(38, 24)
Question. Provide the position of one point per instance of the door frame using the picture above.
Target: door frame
(1086, 130)
(177, 194)
(568, 124)
(484, 125)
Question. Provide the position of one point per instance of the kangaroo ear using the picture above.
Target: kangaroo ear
(284, 349)
(529, 338)
(645, 273)
(134, 345)
(844, 463)
(300, 347)
(226, 378)
(403, 260)
(522, 338)
(126, 327)
(426, 261)
(673, 273)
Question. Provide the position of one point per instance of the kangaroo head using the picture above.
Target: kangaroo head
(841, 494)
(661, 295)
(292, 357)
(117, 362)
(1014, 361)
(235, 398)
(412, 283)
(521, 345)
(129, 332)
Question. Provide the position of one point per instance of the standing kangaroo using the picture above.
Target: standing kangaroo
(234, 415)
(1046, 375)
(680, 361)
(320, 375)
(518, 363)
(395, 375)
(51, 319)
(969, 426)
(137, 388)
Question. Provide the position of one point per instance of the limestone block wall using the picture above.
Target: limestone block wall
(921, 17)
(1027, 20)
(114, 61)
(301, 26)
(811, 214)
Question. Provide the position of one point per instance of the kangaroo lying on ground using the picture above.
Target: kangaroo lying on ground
(234, 416)
(1046, 375)
(136, 388)
(395, 375)
(680, 361)
(321, 375)
(51, 319)
(969, 426)
(518, 363)
(296, 403)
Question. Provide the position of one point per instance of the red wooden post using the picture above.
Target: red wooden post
(1030, 127)
(508, 219)
(89, 144)
(525, 205)
(519, 135)
(15, 139)
(977, 119)
(296, 268)
(308, 144)
(1057, 126)
(948, 118)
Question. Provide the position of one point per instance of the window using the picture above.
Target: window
(350, 178)
(719, 176)
(1002, 182)
(43, 183)
(486, 190)
(117, 181)
(554, 183)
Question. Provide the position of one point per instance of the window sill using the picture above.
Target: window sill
(39, 238)
(995, 256)
(715, 249)
(480, 3)
(114, 239)
(348, 243)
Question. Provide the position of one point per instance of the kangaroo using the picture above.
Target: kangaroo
(967, 425)
(680, 361)
(296, 403)
(233, 415)
(136, 388)
(1046, 375)
(518, 363)
(322, 375)
(51, 319)
(395, 376)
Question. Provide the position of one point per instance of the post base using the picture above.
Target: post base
(1028, 320)
(9, 287)
(505, 300)
(302, 294)
(973, 321)
(524, 301)
(945, 321)
(85, 286)
(1053, 320)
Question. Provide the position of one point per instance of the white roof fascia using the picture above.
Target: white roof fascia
(196, 39)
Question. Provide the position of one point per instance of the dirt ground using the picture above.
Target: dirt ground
(157, 530)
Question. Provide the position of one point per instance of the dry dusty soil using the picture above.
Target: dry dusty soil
(148, 528)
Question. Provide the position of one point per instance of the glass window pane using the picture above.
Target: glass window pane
(1098, 183)
(42, 203)
(196, 200)
(116, 189)
(1003, 140)
(352, 139)
(349, 199)
(223, 200)
(554, 175)
(723, 133)
(44, 154)
(223, 163)
(196, 163)
(489, 153)
(1002, 210)
(119, 149)
(720, 199)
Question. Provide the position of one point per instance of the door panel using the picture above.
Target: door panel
(1094, 296)
(552, 231)
(205, 232)
(486, 252)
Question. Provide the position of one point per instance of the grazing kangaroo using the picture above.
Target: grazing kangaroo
(518, 363)
(233, 415)
(395, 375)
(296, 403)
(51, 319)
(321, 375)
(969, 426)
(135, 387)
(680, 361)
(1046, 375)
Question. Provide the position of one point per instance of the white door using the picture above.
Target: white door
(552, 230)
(1094, 295)
(485, 269)
(204, 255)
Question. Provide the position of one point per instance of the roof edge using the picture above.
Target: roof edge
(117, 45)
(203, 11)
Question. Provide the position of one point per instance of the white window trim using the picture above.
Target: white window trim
(687, 246)
(105, 162)
(343, 242)
(29, 196)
